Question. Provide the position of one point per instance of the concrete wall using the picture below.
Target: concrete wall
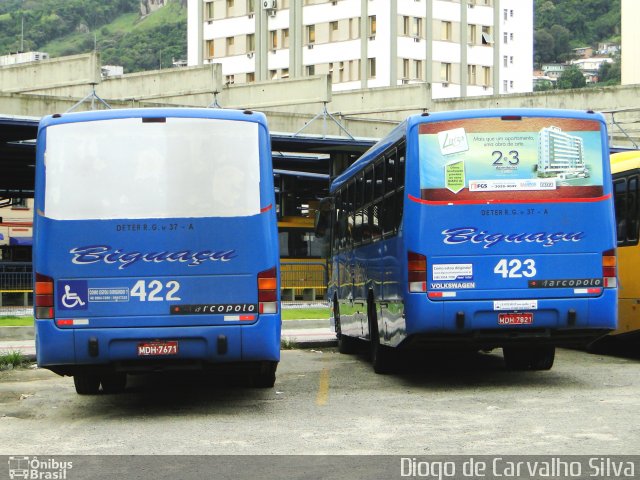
(289, 104)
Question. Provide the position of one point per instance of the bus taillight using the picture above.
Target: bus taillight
(417, 272)
(610, 269)
(44, 296)
(268, 291)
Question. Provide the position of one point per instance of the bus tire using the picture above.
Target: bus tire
(530, 358)
(114, 383)
(266, 376)
(383, 358)
(346, 345)
(86, 383)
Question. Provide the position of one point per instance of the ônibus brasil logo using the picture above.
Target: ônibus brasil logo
(34, 468)
(105, 253)
(455, 236)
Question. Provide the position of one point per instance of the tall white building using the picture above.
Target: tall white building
(461, 47)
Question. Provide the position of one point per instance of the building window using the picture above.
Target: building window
(251, 77)
(472, 74)
(311, 70)
(445, 72)
(510, 83)
(446, 31)
(311, 34)
(505, 88)
(333, 31)
(417, 27)
(229, 80)
(230, 43)
(511, 37)
(405, 26)
(506, 13)
(273, 39)
(511, 13)
(372, 25)
(418, 69)
(341, 72)
(273, 74)
(229, 8)
(210, 50)
(471, 34)
(285, 38)
(505, 38)
(19, 203)
(487, 38)
(208, 11)
(354, 28)
(251, 42)
(405, 68)
(355, 69)
(505, 61)
(371, 67)
(285, 73)
(251, 6)
(487, 76)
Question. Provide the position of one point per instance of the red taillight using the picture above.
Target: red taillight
(44, 296)
(268, 291)
(417, 272)
(610, 269)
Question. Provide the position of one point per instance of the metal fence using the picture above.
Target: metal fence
(306, 281)
(16, 288)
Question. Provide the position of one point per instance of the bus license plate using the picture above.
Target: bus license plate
(515, 318)
(157, 348)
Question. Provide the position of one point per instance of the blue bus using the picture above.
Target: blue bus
(479, 229)
(156, 245)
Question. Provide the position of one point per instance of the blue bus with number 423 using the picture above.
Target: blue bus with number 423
(477, 229)
(156, 245)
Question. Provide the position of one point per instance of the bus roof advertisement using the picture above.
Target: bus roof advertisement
(515, 159)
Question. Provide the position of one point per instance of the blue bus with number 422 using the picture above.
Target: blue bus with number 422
(156, 245)
(476, 229)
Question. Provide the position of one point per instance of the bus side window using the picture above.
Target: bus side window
(388, 210)
(632, 210)
(620, 187)
(336, 232)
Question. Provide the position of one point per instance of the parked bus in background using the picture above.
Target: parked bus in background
(625, 168)
(156, 245)
(479, 229)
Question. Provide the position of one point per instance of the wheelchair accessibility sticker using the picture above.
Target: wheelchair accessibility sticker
(72, 294)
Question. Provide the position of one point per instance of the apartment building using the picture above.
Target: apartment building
(461, 47)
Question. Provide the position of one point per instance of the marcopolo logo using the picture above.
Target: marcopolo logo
(38, 469)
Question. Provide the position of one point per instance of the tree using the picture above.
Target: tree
(544, 47)
(571, 78)
(561, 43)
(610, 73)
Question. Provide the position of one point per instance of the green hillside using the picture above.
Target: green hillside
(114, 28)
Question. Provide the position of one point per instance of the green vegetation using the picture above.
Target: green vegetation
(562, 25)
(305, 313)
(12, 359)
(16, 321)
(114, 28)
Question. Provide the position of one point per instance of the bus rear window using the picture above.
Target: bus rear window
(510, 159)
(127, 168)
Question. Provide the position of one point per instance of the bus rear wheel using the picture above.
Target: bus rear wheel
(346, 345)
(114, 383)
(383, 358)
(529, 358)
(86, 383)
(265, 377)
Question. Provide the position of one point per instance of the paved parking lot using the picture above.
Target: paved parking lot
(327, 403)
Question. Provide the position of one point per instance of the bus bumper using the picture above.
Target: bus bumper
(66, 350)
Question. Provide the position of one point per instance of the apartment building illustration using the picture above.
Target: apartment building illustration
(460, 47)
(560, 154)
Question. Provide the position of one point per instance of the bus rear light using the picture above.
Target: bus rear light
(268, 291)
(44, 296)
(417, 272)
(610, 269)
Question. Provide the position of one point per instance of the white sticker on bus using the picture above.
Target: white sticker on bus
(452, 271)
(515, 305)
